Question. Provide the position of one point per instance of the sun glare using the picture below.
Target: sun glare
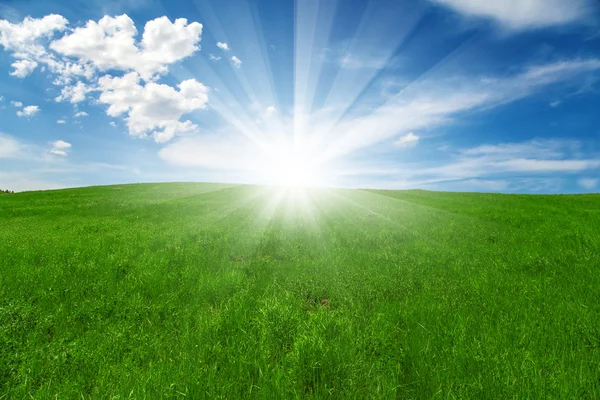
(292, 168)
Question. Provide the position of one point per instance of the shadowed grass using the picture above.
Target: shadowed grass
(217, 291)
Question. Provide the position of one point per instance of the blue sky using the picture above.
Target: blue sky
(466, 95)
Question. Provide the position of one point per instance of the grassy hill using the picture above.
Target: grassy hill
(222, 291)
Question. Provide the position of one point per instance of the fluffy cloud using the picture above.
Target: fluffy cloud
(61, 121)
(23, 40)
(407, 141)
(110, 44)
(61, 144)
(223, 46)
(74, 94)
(236, 61)
(28, 111)
(523, 14)
(16, 104)
(152, 109)
(81, 114)
(60, 148)
(22, 68)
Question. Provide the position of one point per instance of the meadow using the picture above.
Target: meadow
(224, 291)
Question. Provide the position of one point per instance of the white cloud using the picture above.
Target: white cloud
(431, 103)
(538, 148)
(533, 166)
(74, 94)
(212, 57)
(545, 166)
(555, 103)
(524, 14)
(23, 68)
(17, 104)
(534, 156)
(1, 98)
(236, 61)
(59, 148)
(153, 109)
(68, 71)
(588, 183)
(223, 46)
(61, 144)
(23, 40)
(58, 152)
(113, 124)
(407, 141)
(110, 44)
(80, 114)
(28, 111)
(61, 121)
(9, 147)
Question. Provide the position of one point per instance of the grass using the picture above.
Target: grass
(220, 291)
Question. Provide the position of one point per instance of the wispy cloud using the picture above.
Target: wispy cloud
(9, 146)
(524, 14)
(435, 102)
(407, 141)
(19, 182)
(530, 157)
(588, 183)
(422, 105)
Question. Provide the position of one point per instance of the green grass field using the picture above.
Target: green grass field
(220, 291)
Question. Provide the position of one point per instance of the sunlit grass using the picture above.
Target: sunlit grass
(154, 291)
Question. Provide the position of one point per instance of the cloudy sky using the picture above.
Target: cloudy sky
(436, 94)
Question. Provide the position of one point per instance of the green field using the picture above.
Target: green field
(220, 291)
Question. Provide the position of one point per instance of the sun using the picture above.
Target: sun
(291, 167)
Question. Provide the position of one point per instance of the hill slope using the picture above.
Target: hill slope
(205, 290)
